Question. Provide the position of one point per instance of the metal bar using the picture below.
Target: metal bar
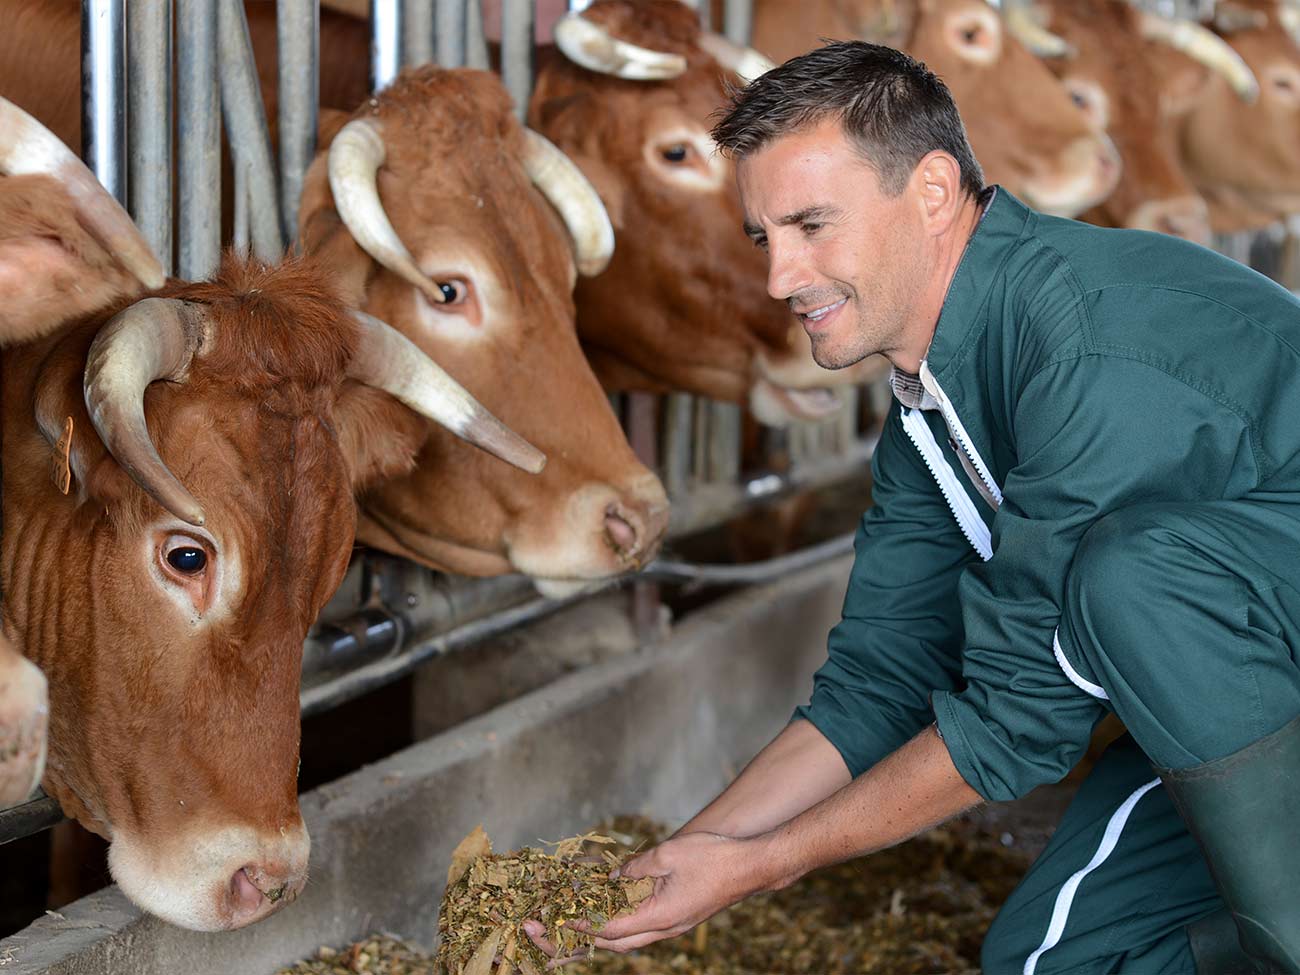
(149, 114)
(476, 49)
(250, 142)
(198, 168)
(679, 411)
(417, 32)
(103, 92)
(297, 26)
(724, 442)
(755, 573)
(517, 52)
(451, 33)
(241, 239)
(738, 20)
(385, 42)
(643, 437)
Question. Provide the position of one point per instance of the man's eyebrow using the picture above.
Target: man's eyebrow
(813, 213)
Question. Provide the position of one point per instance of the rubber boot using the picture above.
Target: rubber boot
(1244, 811)
(1216, 949)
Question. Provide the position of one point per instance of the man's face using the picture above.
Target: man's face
(848, 259)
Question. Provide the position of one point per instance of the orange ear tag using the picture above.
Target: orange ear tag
(61, 467)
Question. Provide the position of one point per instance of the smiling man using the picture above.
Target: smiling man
(1086, 498)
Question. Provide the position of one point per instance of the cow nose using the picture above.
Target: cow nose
(620, 530)
(1185, 216)
(635, 518)
(258, 889)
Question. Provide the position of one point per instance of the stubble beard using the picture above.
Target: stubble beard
(852, 343)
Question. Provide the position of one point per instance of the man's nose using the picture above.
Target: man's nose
(786, 272)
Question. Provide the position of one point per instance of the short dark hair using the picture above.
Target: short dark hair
(892, 107)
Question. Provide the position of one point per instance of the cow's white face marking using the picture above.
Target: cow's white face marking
(976, 35)
(471, 289)
(200, 576)
(686, 157)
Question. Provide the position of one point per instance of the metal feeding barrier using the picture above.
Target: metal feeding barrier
(389, 615)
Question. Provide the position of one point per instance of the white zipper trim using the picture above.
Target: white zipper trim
(1076, 678)
(959, 432)
(1065, 899)
(963, 508)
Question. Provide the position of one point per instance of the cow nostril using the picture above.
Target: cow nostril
(245, 893)
(621, 533)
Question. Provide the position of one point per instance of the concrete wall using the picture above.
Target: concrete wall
(659, 731)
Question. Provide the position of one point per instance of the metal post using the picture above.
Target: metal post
(250, 143)
(149, 111)
(417, 32)
(103, 92)
(738, 20)
(476, 50)
(385, 42)
(297, 25)
(451, 33)
(677, 443)
(642, 420)
(241, 236)
(517, 52)
(198, 170)
(724, 441)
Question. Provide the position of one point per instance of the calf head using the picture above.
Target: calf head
(684, 305)
(204, 456)
(465, 230)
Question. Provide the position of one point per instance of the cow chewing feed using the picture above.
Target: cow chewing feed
(630, 97)
(447, 218)
(205, 442)
(1026, 132)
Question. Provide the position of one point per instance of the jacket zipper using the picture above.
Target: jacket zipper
(959, 502)
(959, 434)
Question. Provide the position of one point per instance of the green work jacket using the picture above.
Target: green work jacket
(1075, 371)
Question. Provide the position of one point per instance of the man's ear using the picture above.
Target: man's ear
(51, 270)
(321, 231)
(938, 179)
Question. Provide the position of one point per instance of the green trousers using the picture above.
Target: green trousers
(1185, 621)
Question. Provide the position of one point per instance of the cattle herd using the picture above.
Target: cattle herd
(187, 465)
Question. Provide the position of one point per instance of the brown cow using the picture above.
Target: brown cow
(205, 444)
(468, 197)
(1025, 130)
(683, 304)
(1244, 158)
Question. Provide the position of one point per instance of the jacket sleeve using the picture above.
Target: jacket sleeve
(900, 635)
(1093, 434)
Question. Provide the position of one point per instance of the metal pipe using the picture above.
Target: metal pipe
(149, 116)
(517, 52)
(250, 142)
(643, 437)
(297, 26)
(679, 411)
(451, 33)
(385, 42)
(198, 163)
(476, 49)
(724, 442)
(738, 20)
(417, 32)
(755, 573)
(103, 93)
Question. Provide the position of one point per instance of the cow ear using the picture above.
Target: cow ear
(321, 231)
(379, 438)
(51, 269)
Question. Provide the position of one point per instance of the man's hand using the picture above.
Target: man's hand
(696, 875)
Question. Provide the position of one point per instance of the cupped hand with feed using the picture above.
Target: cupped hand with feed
(696, 875)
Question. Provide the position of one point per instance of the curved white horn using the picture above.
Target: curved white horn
(28, 148)
(563, 184)
(746, 62)
(388, 360)
(594, 48)
(1037, 39)
(355, 156)
(150, 340)
(1204, 46)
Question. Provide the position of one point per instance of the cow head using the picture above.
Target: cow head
(1025, 130)
(1243, 157)
(465, 230)
(683, 306)
(204, 457)
(1108, 74)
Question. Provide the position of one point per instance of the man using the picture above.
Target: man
(1087, 497)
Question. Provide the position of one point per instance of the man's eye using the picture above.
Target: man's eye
(811, 228)
(760, 242)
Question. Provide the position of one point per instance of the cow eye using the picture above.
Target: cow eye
(187, 560)
(454, 291)
(676, 153)
(1079, 98)
(970, 34)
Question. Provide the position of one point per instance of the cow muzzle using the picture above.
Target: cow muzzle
(24, 714)
(1085, 173)
(212, 880)
(1186, 216)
